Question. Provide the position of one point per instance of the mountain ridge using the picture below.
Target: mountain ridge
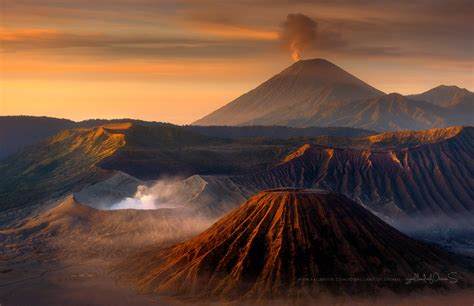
(444, 95)
(429, 178)
(20, 132)
(318, 93)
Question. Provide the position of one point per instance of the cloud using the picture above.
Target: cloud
(244, 28)
(298, 34)
(130, 46)
(222, 26)
(422, 31)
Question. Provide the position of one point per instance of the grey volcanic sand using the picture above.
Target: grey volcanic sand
(82, 283)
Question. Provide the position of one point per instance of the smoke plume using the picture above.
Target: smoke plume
(165, 193)
(298, 34)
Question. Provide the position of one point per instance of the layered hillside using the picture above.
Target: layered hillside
(19, 132)
(390, 140)
(409, 139)
(289, 243)
(429, 179)
(398, 174)
(76, 158)
(64, 163)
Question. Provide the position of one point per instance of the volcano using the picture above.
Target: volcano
(316, 92)
(289, 243)
(295, 94)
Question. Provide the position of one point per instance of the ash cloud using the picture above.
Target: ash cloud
(298, 34)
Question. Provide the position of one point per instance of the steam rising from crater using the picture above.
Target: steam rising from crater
(165, 193)
(298, 34)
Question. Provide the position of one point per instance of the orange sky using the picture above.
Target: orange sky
(177, 61)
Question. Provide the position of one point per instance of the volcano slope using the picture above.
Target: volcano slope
(316, 92)
(420, 182)
(292, 96)
(76, 158)
(290, 243)
(62, 164)
(62, 255)
(430, 179)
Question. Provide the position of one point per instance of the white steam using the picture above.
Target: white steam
(143, 199)
(165, 193)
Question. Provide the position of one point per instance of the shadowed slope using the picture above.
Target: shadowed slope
(387, 113)
(279, 244)
(17, 132)
(458, 102)
(448, 96)
(431, 179)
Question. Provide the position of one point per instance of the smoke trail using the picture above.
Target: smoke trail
(298, 34)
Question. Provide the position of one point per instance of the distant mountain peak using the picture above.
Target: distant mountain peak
(293, 95)
(313, 63)
(449, 87)
(394, 96)
(446, 96)
(316, 92)
(321, 70)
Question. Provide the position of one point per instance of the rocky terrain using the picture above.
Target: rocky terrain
(73, 159)
(403, 176)
(75, 204)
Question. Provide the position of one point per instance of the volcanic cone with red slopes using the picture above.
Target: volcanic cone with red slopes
(282, 244)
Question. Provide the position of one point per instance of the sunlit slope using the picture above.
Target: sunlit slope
(62, 164)
(396, 172)
(75, 158)
(279, 243)
(19, 132)
(432, 178)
